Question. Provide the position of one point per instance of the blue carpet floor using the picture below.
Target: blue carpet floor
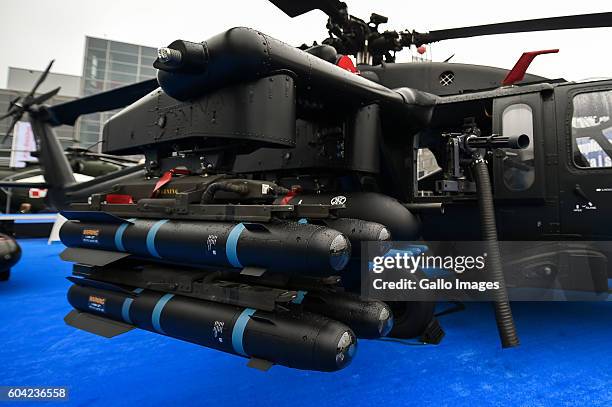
(565, 358)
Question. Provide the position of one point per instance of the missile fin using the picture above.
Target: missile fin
(101, 285)
(94, 216)
(260, 364)
(253, 271)
(91, 257)
(96, 325)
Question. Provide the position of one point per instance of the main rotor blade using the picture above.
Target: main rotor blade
(68, 112)
(294, 8)
(44, 97)
(13, 101)
(40, 80)
(540, 24)
(12, 109)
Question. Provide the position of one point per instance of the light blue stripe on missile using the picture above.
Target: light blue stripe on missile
(125, 310)
(231, 247)
(159, 307)
(119, 234)
(299, 297)
(238, 331)
(127, 303)
(151, 238)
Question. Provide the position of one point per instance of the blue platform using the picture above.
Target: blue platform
(565, 358)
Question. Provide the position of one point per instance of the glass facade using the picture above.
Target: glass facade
(108, 65)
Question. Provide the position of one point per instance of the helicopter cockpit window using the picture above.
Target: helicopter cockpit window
(519, 167)
(592, 129)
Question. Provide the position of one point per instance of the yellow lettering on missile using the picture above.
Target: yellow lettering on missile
(97, 300)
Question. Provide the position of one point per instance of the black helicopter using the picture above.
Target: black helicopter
(85, 164)
(268, 166)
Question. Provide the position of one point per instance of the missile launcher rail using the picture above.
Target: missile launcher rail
(172, 209)
(213, 286)
(273, 292)
(276, 260)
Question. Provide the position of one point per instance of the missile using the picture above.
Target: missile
(287, 247)
(358, 231)
(368, 319)
(299, 340)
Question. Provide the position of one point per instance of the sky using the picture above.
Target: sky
(33, 32)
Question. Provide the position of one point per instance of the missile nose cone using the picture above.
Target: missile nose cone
(346, 348)
(384, 234)
(340, 252)
(384, 239)
(385, 321)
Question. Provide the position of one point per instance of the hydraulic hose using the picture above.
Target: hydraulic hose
(503, 313)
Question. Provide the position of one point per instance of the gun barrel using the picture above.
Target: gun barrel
(517, 142)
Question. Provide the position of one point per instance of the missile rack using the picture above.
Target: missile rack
(202, 249)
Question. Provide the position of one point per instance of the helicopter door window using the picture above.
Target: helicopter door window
(519, 166)
(592, 129)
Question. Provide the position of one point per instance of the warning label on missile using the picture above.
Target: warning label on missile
(97, 303)
(90, 236)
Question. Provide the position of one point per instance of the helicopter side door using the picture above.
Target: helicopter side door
(584, 113)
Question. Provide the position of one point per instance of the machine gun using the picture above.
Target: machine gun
(462, 149)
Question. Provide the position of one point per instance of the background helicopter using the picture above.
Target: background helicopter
(85, 164)
(356, 137)
(56, 166)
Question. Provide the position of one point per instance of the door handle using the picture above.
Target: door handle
(580, 192)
